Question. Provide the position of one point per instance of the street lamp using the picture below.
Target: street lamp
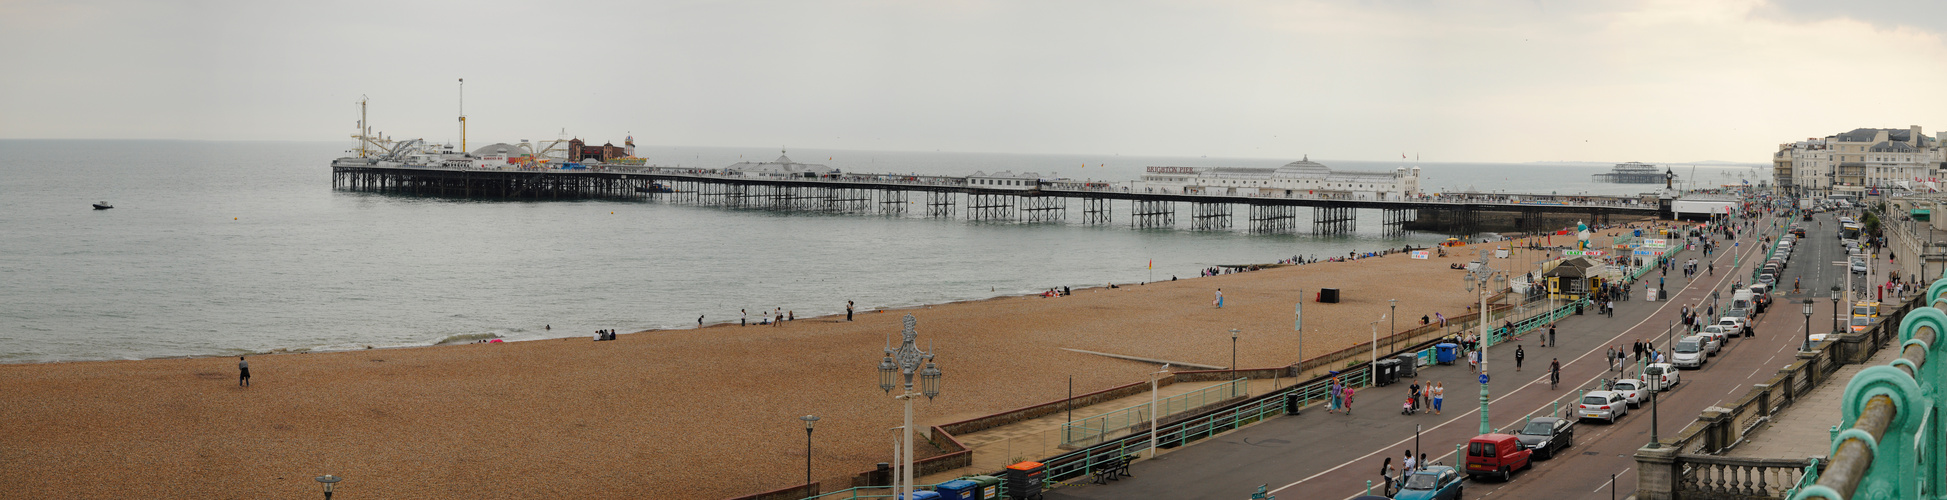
(1835, 309)
(1394, 326)
(808, 421)
(1154, 415)
(906, 361)
(1233, 353)
(329, 480)
(1808, 326)
(1481, 276)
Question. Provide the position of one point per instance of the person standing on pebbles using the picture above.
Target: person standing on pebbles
(1220, 298)
(243, 372)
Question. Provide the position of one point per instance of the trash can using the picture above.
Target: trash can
(1024, 480)
(1446, 352)
(1292, 403)
(1385, 371)
(958, 489)
(924, 495)
(986, 487)
(1409, 365)
(1328, 295)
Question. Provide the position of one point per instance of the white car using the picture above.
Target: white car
(1688, 353)
(1731, 325)
(1632, 391)
(1662, 376)
(1605, 405)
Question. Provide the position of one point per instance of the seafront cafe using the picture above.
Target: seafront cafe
(1573, 278)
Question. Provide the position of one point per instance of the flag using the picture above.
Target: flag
(1152, 263)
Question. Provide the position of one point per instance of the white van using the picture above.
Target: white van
(1741, 299)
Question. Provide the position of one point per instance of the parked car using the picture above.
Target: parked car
(1437, 482)
(1632, 391)
(1662, 376)
(1714, 339)
(1496, 455)
(1866, 308)
(1605, 405)
(1733, 325)
(1688, 353)
(1547, 435)
(1858, 266)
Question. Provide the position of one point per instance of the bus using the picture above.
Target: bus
(1849, 231)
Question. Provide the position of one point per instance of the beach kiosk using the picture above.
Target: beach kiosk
(1572, 279)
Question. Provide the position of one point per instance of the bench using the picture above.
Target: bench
(1112, 470)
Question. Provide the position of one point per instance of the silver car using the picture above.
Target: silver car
(1602, 405)
(1632, 391)
(1688, 353)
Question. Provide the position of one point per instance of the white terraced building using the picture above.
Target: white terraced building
(1299, 179)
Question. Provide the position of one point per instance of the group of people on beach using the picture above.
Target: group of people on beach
(777, 317)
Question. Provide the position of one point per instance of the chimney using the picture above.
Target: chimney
(1913, 139)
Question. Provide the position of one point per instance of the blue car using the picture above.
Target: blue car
(1436, 482)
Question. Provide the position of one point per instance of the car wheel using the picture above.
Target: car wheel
(1506, 475)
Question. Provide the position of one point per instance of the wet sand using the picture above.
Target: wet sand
(698, 413)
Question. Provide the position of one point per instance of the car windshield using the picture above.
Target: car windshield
(1862, 311)
(1861, 321)
(1625, 386)
(1687, 346)
(1734, 313)
(1595, 400)
(1654, 370)
(1713, 329)
(1422, 481)
(1538, 428)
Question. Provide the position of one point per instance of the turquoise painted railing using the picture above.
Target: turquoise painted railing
(1092, 430)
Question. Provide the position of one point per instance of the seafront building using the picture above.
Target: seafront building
(1849, 163)
(1299, 179)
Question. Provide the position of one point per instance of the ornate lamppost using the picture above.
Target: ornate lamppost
(809, 420)
(1835, 306)
(906, 361)
(1480, 277)
(1808, 326)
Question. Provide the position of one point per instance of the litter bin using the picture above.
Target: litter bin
(1446, 352)
(1409, 365)
(958, 489)
(1328, 295)
(1024, 480)
(923, 495)
(1384, 372)
(987, 487)
(1292, 403)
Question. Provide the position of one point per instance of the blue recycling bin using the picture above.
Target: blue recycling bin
(1446, 352)
(924, 495)
(958, 489)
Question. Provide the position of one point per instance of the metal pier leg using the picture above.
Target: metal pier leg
(1152, 214)
(1095, 210)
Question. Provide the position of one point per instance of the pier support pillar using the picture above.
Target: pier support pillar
(893, 201)
(1333, 220)
(1043, 208)
(1273, 218)
(1095, 210)
(940, 203)
(1205, 216)
(990, 206)
(1148, 214)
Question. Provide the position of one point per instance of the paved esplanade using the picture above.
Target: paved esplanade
(1318, 455)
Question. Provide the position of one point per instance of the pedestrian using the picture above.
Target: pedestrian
(1386, 476)
(1554, 372)
(1439, 394)
(1332, 404)
(699, 320)
(778, 318)
(1519, 355)
(1551, 336)
(243, 372)
(1413, 394)
(848, 310)
(791, 315)
(1348, 400)
(1220, 298)
(1410, 466)
(745, 320)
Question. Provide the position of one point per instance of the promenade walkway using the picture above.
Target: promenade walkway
(1805, 428)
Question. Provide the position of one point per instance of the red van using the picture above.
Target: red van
(1496, 455)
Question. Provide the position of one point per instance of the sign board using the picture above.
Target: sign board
(1422, 254)
(1656, 242)
(1298, 316)
(1483, 378)
(1593, 253)
(1571, 253)
(1500, 253)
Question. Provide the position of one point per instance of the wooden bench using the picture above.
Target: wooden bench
(1112, 470)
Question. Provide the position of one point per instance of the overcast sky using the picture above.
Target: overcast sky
(1672, 81)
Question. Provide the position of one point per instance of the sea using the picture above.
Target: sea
(225, 248)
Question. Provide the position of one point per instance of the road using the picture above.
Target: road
(1331, 456)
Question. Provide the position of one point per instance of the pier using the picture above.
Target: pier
(947, 197)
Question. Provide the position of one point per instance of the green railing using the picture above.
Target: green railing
(1093, 430)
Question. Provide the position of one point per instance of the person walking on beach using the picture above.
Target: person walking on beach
(699, 321)
(243, 372)
(1220, 298)
(777, 319)
(745, 320)
(1519, 355)
(848, 310)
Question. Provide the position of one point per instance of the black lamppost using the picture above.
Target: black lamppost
(329, 480)
(808, 421)
(1808, 326)
(1835, 307)
(1233, 353)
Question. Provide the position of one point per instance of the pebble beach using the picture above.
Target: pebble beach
(693, 413)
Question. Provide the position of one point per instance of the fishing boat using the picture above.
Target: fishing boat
(103, 206)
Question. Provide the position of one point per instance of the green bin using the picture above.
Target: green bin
(988, 487)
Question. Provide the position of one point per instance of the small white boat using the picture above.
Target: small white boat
(103, 206)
